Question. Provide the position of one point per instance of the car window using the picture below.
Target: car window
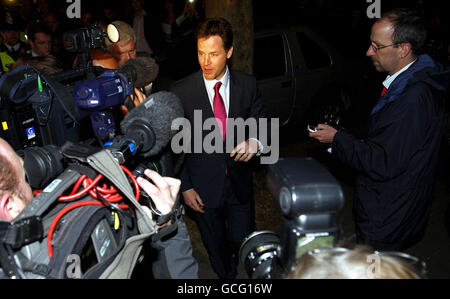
(315, 56)
(269, 57)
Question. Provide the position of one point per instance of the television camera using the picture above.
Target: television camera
(310, 199)
(38, 109)
(93, 183)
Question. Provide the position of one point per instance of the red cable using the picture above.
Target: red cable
(111, 195)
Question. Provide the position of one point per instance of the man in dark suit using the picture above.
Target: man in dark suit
(397, 161)
(218, 185)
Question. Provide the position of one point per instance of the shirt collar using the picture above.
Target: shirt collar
(390, 79)
(225, 79)
(16, 47)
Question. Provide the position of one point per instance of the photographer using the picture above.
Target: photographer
(15, 194)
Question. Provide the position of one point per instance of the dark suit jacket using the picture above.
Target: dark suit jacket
(397, 161)
(206, 172)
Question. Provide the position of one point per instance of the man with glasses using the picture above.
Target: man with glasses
(396, 162)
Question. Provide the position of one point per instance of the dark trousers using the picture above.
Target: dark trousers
(223, 229)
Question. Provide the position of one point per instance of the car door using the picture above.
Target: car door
(314, 68)
(273, 70)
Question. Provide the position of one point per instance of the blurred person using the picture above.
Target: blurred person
(87, 18)
(396, 162)
(11, 48)
(39, 39)
(179, 22)
(52, 22)
(357, 263)
(218, 186)
(42, 8)
(45, 64)
(121, 52)
(125, 48)
(147, 27)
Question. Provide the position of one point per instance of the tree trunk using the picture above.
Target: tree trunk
(240, 14)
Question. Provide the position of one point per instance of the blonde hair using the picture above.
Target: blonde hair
(358, 263)
(126, 34)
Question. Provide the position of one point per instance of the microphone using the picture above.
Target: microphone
(140, 71)
(149, 124)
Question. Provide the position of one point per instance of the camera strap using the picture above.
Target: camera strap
(104, 163)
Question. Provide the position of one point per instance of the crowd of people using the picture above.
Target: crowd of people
(36, 29)
(396, 162)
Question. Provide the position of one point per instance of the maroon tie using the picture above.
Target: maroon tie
(384, 91)
(219, 110)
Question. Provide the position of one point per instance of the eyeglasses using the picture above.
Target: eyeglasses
(375, 48)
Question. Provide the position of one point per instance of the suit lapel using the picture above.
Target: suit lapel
(201, 98)
(234, 96)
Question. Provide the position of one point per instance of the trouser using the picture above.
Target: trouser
(223, 229)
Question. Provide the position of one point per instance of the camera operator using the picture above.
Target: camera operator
(121, 52)
(15, 194)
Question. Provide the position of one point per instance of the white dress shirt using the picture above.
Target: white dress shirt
(390, 79)
(225, 93)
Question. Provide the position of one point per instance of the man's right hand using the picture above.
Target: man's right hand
(193, 200)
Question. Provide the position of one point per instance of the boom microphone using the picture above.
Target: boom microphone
(140, 71)
(151, 122)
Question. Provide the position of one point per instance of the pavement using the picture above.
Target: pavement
(434, 248)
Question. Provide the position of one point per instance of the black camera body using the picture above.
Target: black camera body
(310, 199)
(84, 39)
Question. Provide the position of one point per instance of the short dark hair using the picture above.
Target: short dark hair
(409, 26)
(216, 26)
(34, 28)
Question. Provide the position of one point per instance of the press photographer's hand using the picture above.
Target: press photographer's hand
(163, 191)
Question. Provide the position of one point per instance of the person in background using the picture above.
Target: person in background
(11, 47)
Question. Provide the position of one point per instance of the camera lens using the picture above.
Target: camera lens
(42, 164)
(259, 254)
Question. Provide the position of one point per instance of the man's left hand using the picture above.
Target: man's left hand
(245, 151)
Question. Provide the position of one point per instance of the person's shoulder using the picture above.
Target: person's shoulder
(186, 82)
(242, 75)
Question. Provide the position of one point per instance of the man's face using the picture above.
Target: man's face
(385, 59)
(124, 53)
(51, 22)
(212, 57)
(137, 4)
(23, 194)
(10, 37)
(42, 44)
